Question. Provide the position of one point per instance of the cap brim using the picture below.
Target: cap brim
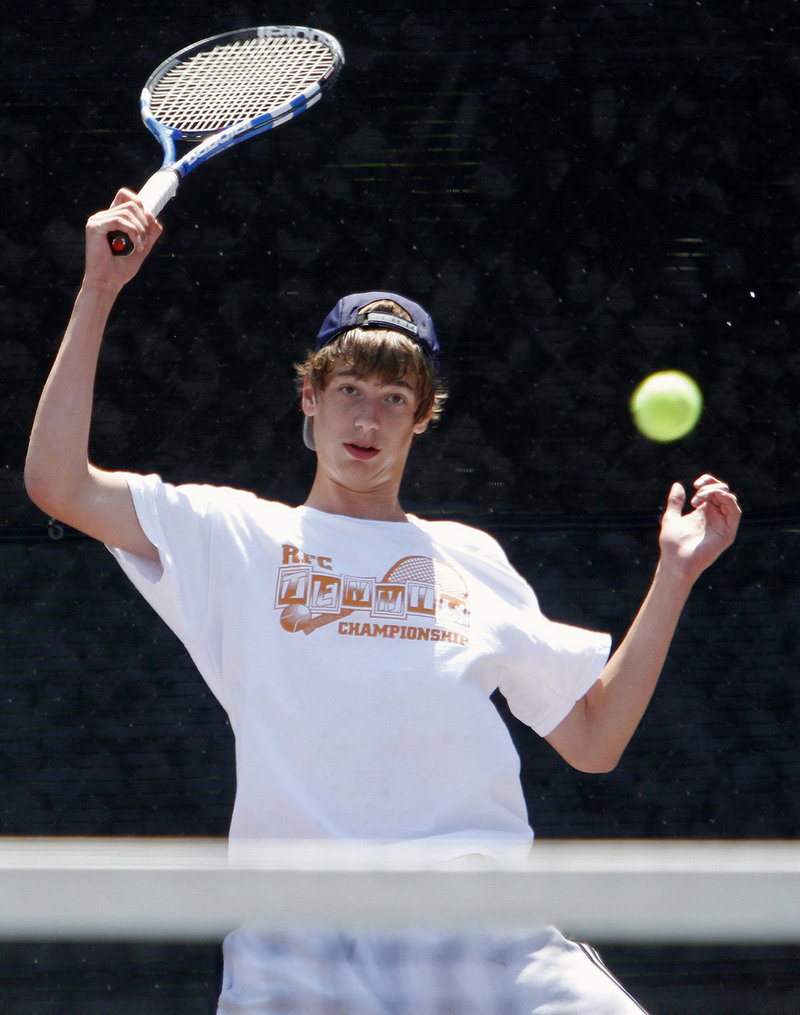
(308, 433)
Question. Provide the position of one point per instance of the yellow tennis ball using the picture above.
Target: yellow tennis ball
(666, 406)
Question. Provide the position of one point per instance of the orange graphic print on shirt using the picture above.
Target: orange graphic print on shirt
(419, 598)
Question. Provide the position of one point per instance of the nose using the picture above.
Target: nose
(368, 416)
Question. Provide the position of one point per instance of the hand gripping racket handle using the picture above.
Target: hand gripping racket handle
(160, 188)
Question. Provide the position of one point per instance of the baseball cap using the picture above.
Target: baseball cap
(349, 313)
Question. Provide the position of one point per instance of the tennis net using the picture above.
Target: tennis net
(661, 891)
(121, 926)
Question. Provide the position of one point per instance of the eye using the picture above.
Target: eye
(401, 397)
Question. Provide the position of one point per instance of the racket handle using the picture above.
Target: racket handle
(160, 188)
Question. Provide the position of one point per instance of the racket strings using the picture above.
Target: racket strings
(237, 82)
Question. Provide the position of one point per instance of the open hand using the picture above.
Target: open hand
(692, 542)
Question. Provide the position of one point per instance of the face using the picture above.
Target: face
(363, 428)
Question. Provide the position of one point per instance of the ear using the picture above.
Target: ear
(309, 398)
(422, 426)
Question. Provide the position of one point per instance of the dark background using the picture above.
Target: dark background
(581, 193)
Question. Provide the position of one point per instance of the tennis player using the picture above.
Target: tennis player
(355, 648)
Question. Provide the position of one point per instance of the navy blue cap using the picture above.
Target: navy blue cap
(349, 313)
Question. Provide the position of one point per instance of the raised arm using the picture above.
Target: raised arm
(59, 477)
(594, 735)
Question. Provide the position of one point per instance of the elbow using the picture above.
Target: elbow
(36, 485)
(590, 740)
(595, 757)
(42, 490)
(597, 765)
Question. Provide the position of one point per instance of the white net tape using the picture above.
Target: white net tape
(184, 889)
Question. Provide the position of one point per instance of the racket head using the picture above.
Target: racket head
(225, 89)
(240, 83)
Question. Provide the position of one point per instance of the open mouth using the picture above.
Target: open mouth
(361, 451)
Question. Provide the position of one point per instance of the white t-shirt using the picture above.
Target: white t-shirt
(355, 660)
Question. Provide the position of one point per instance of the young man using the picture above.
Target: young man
(355, 646)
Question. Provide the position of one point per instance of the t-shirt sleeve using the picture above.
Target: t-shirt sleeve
(178, 522)
(552, 666)
(547, 665)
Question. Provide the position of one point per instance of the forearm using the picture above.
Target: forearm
(57, 461)
(614, 706)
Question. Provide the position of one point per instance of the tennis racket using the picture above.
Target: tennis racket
(224, 90)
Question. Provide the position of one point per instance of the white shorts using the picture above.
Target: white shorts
(422, 973)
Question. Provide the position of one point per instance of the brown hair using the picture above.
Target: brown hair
(383, 353)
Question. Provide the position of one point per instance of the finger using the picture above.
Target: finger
(705, 492)
(723, 505)
(727, 502)
(676, 499)
(129, 218)
(155, 228)
(707, 486)
(707, 479)
(128, 212)
(122, 195)
(128, 200)
(716, 492)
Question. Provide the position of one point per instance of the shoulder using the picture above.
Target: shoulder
(465, 540)
(477, 553)
(203, 499)
(448, 531)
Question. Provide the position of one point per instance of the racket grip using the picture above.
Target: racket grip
(160, 188)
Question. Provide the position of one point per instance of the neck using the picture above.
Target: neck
(335, 499)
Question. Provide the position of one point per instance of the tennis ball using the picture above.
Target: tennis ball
(666, 405)
(295, 617)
